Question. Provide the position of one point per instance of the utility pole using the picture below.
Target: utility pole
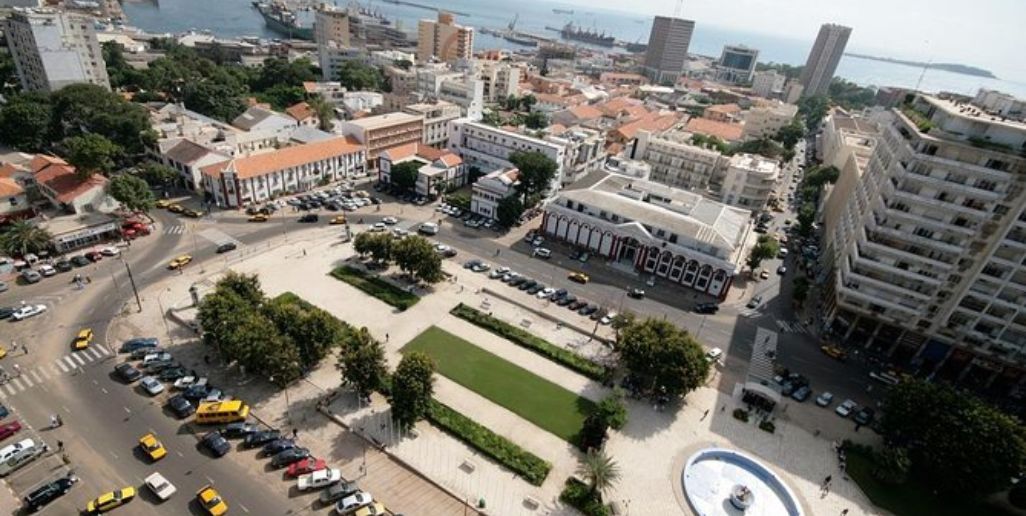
(131, 279)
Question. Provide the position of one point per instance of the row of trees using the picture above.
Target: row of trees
(277, 338)
(811, 187)
(414, 255)
(765, 248)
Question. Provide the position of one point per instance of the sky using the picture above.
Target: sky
(984, 33)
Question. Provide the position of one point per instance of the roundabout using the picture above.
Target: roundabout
(719, 481)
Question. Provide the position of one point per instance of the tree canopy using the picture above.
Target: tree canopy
(404, 175)
(765, 248)
(357, 76)
(536, 172)
(362, 363)
(509, 211)
(412, 387)
(957, 441)
(131, 191)
(662, 359)
(416, 256)
(22, 237)
(91, 154)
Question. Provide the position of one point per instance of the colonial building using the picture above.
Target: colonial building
(60, 184)
(436, 120)
(491, 190)
(257, 178)
(658, 230)
(438, 169)
(488, 148)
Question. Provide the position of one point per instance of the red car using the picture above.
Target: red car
(94, 256)
(9, 429)
(307, 465)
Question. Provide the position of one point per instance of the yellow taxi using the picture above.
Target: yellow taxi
(153, 448)
(259, 217)
(192, 213)
(163, 203)
(579, 277)
(374, 509)
(3, 351)
(338, 219)
(211, 501)
(111, 500)
(833, 352)
(176, 208)
(84, 338)
(180, 262)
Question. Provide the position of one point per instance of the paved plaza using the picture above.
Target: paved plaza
(650, 449)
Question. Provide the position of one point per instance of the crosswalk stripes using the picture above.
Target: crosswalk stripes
(177, 229)
(791, 327)
(45, 372)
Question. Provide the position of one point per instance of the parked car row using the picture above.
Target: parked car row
(174, 207)
(561, 297)
(34, 269)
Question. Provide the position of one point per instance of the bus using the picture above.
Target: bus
(229, 411)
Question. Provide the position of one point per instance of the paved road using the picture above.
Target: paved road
(104, 418)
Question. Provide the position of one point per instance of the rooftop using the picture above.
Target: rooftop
(754, 163)
(10, 187)
(300, 111)
(261, 164)
(60, 177)
(254, 116)
(188, 152)
(723, 130)
(387, 120)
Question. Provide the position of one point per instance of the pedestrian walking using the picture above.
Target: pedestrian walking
(60, 445)
(386, 337)
(206, 359)
(17, 370)
(705, 414)
(844, 512)
(295, 433)
(304, 252)
(826, 481)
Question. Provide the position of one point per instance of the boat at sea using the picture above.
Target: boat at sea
(563, 11)
(519, 40)
(636, 47)
(279, 18)
(589, 36)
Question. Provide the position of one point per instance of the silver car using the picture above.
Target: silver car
(151, 385)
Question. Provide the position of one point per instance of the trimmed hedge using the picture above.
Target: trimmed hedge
(564, 357)
(577, 495)
(505, 452)
(376, 287)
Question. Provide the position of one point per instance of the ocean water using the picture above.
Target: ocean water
(232, 18)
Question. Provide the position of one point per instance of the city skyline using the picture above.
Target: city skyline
(887, 36)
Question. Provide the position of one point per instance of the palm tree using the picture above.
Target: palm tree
(599, 470)
(23, 237)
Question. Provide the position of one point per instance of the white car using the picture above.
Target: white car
(151, 385)
(188, 381)
(400, 232)
(160, 486)
(846, 408)
(714, 355)
(608, 318)
(391, 221)
(110, 251)
(545, 293)
(353, 502)
(541, 252)
(28, 311)
(498, 273)
(825, 399)
(377, 227)
(319, 479)
(156, 357)
(46, 270)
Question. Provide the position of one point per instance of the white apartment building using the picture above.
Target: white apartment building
(491, 189)
(1000, 103)
(52, 49)
(675, 162)
(763, 121)
(383, 58)
(361, 101)
(437, 116)
(768, 83)
(844, 134)
(663, 232)
(931, 247)
(749, 181)
(488, 147)
(257, 178)
(382, 132)
(437, 81)
(501, 79)
(585, 151)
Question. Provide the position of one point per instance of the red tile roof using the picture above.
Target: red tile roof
(262, 164)
(585, 112)
(62, 179)
(300, 112)
(652, 122)
(10, 187)
(429, 154)
(723, 130)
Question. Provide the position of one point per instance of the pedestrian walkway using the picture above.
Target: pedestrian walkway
(177, 229)
(26, 379)
(791, 327)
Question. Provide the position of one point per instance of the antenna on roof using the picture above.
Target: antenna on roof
(677, 10)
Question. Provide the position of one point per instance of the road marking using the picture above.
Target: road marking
(10, 389)
(69, 361)
(243, 507)
(36, 376)
(102, 351)
(78, 359)
(128, 410)
(54, 371)
(17, 384)
(104, 390)
(179, 453)
(66, 409)
(114, 455)
(60, 364)
(209, 480)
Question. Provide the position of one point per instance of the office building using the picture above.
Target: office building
(383, 132)
(793, 91)
(491, 189)
(766, 119)
(1001, 104)
(736, 64)
(667, 50)
(768, 83)
(930, 249)
(52, 49)
(443, 40)
(823, 59)
(676, 162)
(488, 148)
(331, 33)
(659, 231)
(749, 181)
(437, 116)
(501, 79)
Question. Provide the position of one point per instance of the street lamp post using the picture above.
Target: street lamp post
(163, 315)
(131, 279)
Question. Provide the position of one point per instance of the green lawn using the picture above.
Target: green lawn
(912, 498)
(534, 398)
(376, 287)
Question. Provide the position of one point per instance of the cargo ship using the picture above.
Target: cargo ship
(284, 21)
(586, 36)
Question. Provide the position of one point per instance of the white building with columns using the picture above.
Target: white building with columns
(661, 231)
